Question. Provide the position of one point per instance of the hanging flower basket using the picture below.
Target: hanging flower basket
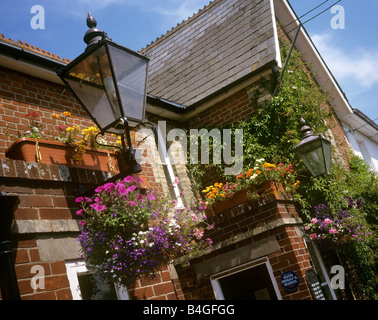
(54, 152)
(128, 235)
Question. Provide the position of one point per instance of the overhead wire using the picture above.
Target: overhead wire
(317, 15)
(303, 15)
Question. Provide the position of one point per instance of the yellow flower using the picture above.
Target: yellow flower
(55, 116)
(72, 129)
(66, 114)
(207, 189)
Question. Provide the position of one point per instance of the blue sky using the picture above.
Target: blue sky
(351, 53)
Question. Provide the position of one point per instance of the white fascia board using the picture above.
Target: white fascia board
(29, 68)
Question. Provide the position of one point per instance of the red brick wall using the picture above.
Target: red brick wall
(160, 288)
(231, 110)
(292, 254)
(47, 196)
(21, 94)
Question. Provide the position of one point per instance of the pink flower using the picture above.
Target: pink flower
(79, 212)
(99, 189)
(87, 199)
(177, 181)
(313, 236)
(129, 179)
(108, 187)
(314, 220)
(327, 221)
(98, 207)
(140, 197)
(79, 199)
(194, 217)
(307, 227)
(333, 230)
(122, 190)
(131, 188)
(151, 197)
(132, 203)
(82, 223)
(198, 233)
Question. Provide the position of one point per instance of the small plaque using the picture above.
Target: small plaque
(289, 280)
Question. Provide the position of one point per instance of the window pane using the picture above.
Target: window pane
(93, 288)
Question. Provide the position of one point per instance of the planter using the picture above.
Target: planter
(269, 186)
(238, 198)
(53, 152)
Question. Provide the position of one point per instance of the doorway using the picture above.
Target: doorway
(252, 281)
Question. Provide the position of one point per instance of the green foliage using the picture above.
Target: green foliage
(272, 132)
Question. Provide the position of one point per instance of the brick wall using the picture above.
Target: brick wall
(45, 219)
(159, 288)
(273, 216)
(44, 213)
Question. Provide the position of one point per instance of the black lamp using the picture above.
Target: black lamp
(315, 151)
(110, 83)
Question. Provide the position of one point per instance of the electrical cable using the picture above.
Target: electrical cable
(298, 19)
(317, 15)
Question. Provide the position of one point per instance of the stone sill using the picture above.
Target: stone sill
(45, 226)
(50, 172)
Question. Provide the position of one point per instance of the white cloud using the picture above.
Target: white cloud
(357, 65)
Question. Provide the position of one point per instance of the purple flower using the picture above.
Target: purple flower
(87, 199)
(79, 199)
(98, 207)
(82, 223)
(79, 212)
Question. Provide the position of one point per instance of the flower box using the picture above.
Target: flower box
(238, 198)
(54, 152)
(241, 196)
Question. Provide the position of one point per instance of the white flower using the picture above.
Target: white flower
(141, 241)
(151, 244)
(253, 176)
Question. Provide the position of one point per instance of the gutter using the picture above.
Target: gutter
(21, 53)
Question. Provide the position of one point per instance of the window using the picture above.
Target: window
(87, 285)
(251, 281)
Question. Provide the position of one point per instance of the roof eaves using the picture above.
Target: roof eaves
(27, 48)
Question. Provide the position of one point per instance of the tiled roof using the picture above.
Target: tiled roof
(224, 42)
(29, 47)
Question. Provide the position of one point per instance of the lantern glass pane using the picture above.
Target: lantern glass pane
(327, 154)
(313, 157)
(91, 80)
(130, 72)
